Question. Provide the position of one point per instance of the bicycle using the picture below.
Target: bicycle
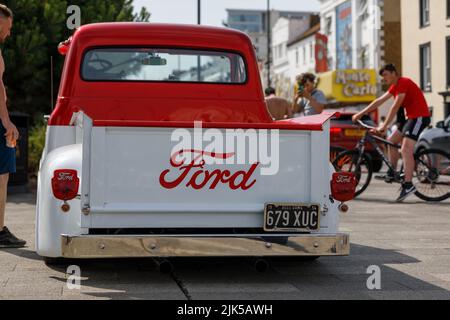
(431, 173)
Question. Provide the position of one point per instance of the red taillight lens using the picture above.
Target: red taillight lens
(64, 46)
(335, 130)
(63, 49)
(343, 186)
(65, 184)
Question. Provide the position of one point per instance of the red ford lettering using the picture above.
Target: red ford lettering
(195, 176)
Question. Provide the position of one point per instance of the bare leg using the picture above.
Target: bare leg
(393, 153)
(3, 192)
(408, 158)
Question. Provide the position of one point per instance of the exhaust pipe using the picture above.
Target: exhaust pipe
(164, 266)
(261, 265)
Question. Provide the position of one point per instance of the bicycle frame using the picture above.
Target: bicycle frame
(371, 139)
(426, 174)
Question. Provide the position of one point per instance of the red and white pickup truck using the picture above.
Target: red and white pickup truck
(161, 145)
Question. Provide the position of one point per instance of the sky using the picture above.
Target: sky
(213, 11)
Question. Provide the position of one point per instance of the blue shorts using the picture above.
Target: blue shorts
(7, 155)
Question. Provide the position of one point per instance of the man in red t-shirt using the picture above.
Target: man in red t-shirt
(407, 94)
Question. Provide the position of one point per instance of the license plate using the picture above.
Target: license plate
(291, 217)
(354, 133)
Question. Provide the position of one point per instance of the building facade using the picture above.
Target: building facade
(284, 32)
(362, 35)
(302, 52)
(254, 24)
(426, 51)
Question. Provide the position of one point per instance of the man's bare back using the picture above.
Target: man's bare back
(2, 65)
(279, 108)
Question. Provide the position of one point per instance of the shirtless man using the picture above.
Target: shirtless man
(278, 107)
(8, 131)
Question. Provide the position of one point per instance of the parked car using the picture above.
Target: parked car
(436, 138)
(127, 171)
(345, 135)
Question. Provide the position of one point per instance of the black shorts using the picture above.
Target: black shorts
(400, 125)
(414, 127)
(401, 119)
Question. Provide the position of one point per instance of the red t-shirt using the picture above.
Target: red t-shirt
(415, 104)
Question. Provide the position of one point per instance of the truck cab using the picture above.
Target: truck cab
(161, 145)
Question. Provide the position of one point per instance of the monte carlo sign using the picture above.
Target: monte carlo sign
(349, 85)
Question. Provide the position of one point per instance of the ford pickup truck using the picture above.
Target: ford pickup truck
(161, 145)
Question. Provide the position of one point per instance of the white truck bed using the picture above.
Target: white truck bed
(120, 169)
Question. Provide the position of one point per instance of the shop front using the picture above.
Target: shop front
(349, 90)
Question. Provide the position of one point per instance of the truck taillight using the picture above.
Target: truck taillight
(343, 186)
(65, 184)
(63, 47)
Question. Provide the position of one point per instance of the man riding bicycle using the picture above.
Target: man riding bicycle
(408, 95)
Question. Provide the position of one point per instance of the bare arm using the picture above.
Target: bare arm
(296, 107)
(373, 106)
(315, 101)
(392, 112)
(4, 115)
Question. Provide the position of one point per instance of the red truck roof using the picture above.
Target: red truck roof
(138, 33)
(162, 102)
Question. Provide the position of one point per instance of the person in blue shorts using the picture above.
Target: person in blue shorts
(8, 136)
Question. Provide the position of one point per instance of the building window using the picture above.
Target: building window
(448, 63)
(425, 67)
(448, 9)
(304, 55)
(424, 13)
(328, 26)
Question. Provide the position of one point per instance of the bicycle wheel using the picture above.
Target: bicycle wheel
(334, 152)
(432, 175)
(360, 166)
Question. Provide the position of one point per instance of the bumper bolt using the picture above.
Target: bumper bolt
(343, 207)
(268, 245)
(65, 207)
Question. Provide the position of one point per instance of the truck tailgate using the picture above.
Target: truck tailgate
(123, 167)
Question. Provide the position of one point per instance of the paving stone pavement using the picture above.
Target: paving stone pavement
(410, 243)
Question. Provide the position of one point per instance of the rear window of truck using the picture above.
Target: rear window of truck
(163, 65)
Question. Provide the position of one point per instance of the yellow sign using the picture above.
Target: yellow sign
(349, 85)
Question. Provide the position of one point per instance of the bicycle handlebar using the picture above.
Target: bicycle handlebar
(362, 124)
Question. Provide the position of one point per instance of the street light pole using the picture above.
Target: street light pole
(269, 81)
(199, 11)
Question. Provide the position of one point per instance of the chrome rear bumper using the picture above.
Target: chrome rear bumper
(190, 246)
